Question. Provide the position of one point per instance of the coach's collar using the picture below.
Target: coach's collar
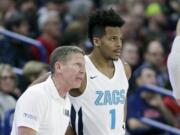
(53, 91)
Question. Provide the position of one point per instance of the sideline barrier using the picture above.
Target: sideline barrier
(27, 40)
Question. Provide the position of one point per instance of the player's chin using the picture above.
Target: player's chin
(115, 58)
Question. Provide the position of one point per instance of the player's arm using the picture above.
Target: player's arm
(128, 75)
(173, 64)
(26, 131)
(70, 131)
(127, 70)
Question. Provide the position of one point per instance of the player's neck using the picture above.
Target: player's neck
(61, 86)
(100, 60)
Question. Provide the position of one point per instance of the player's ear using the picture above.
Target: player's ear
(96, 41)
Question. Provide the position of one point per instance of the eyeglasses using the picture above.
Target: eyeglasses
(7, 77)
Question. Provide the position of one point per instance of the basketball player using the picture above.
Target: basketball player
(174, 65)
(44, 108)
(98, 106)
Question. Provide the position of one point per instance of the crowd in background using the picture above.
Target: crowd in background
(149, 31)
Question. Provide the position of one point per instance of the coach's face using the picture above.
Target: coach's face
(111, 43)
(73, 70)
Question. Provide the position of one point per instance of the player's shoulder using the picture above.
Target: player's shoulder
(127, 68)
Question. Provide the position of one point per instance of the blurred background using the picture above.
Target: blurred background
(31, 29)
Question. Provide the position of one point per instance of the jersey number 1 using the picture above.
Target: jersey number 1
(113, 118)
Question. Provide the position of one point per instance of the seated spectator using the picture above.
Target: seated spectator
(130, 54)
(174, 108)
(9, 81)
(29, 8)
(155, 57)
(8, 89)
(31, 71)
(18, 51)
(49, 25)
(146, 104)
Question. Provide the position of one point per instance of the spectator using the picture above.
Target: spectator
(9, 82)
(130, 54)
(50, 27)
(146, 104)
(59, 6)
(154, 56)
(7, 8)
(31, 71)
(29, 8)
(7, 89)
(18, 51)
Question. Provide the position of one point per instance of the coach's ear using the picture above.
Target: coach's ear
(96, 42)
(58, 67)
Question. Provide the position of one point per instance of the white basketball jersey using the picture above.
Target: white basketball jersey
(100, 109)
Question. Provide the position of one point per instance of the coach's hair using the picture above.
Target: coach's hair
(61, 53)
(99, 20)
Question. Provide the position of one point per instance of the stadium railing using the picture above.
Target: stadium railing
(27, 40)
(165, 92)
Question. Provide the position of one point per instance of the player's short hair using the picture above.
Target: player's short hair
(99, 20)
(61, 53)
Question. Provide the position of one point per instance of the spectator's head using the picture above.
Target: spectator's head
(130, 53)
(17, 23)
(5, 5)
(155, 15)
(57, 5)
(154, 54)
(76, 27)
(8, 78)
(49, 23)
(137, 10)
(27, 5)
(145, 75)
(33, 69)
(80, 8)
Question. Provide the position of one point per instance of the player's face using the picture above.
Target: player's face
(111, 43)
(73, 70)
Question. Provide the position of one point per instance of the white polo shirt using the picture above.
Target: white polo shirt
(42, 109)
